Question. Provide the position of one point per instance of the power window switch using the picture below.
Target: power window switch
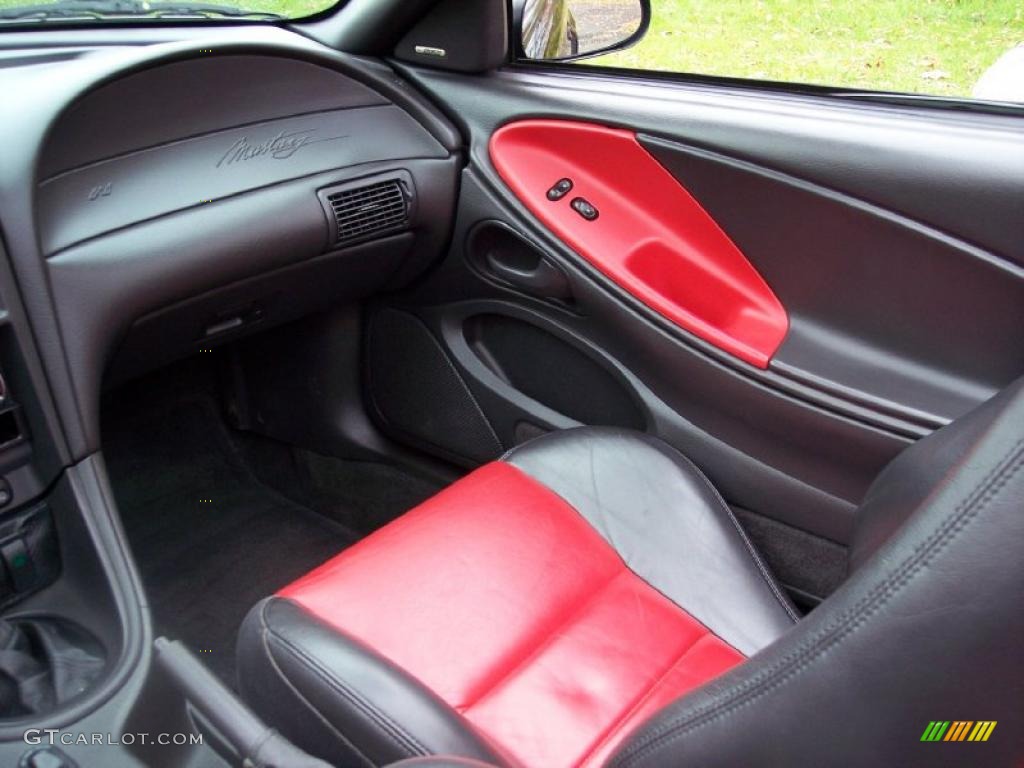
(561, 188)
(584, 208)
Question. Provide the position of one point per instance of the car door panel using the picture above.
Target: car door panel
(904, 295)
(958, 171)
(951, 342)
(902, 316)
(646, 232)
(765, 451)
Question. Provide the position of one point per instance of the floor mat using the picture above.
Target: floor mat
(208, 538)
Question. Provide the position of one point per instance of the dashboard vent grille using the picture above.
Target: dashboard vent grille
(368, 210)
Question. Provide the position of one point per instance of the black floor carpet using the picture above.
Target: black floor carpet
(209, 538)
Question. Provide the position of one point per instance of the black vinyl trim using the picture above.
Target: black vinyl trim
(885, 99)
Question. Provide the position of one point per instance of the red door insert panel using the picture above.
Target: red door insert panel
(644, 231)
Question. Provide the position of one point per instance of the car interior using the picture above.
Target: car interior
(363, 405)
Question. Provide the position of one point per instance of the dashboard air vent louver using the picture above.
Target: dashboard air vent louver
(368, 209)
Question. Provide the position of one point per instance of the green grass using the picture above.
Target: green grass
(937, 47)
(292, 9)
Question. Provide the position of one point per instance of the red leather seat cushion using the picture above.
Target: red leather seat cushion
(501, 598)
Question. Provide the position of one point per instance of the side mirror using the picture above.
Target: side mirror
(560, 30)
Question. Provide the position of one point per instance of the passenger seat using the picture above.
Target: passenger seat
(591, 600)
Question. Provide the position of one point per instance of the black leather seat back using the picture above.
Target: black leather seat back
(915, 474)
(928, 627)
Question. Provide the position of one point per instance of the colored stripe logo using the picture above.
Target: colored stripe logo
(958, 730)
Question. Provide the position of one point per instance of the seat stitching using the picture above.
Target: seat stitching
(754, 555)
(264, 632)
(393, 730)
(849, 622)
(853, 619)
(543, 643)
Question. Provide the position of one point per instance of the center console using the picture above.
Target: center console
(71, 621)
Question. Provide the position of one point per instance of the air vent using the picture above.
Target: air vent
(364, 210)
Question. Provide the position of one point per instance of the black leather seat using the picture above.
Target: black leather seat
(591, 600)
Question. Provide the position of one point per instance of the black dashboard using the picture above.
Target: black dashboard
(175, 192)
(158, 199)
